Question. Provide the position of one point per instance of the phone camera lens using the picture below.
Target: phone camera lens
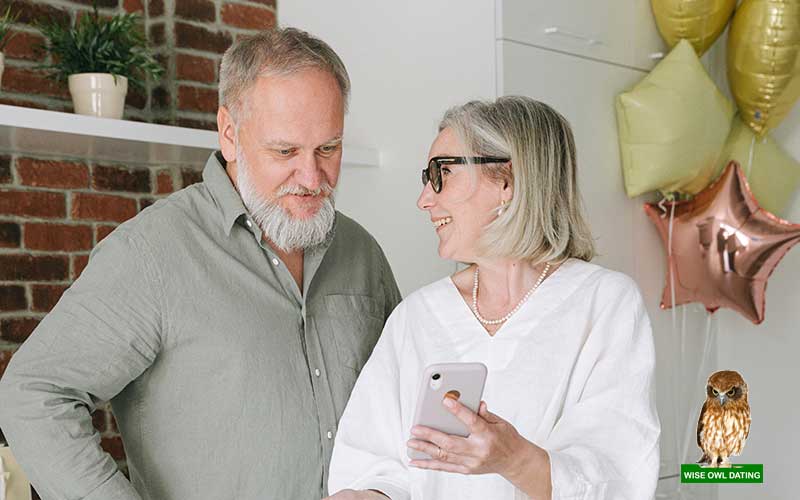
(436, 376)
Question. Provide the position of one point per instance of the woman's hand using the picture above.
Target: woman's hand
(357, 495)
(493, 446)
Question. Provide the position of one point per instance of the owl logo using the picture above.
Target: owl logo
(724, 422)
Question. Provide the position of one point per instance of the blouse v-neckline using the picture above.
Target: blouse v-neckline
(475, 322)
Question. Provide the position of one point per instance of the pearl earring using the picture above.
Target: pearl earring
(502, 208)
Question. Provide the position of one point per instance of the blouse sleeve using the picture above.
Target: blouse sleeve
(605, 444)
(367, 454)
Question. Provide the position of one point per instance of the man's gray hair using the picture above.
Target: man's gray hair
(544, 220)
(275, 52)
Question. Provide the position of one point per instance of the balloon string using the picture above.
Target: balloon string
(683, 333)
(676, 336)
(708, 340)
(678, 401)
(671, 263)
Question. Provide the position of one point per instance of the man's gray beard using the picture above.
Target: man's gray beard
(284, 231)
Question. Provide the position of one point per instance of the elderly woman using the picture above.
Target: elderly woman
(568, 408)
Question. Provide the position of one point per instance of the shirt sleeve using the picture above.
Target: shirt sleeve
(390, 289)
(103, 333)
(605, 445)
(366, 454)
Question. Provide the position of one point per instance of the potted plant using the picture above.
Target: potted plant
(98, 57)
(5, 24)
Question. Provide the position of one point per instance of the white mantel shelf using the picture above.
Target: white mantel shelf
(50, 133)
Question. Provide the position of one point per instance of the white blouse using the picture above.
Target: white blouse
(572, 370)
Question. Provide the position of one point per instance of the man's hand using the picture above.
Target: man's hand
(357, 495)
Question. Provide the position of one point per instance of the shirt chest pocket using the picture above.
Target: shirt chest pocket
(354, 323)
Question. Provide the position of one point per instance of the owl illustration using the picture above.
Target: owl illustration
(724, 422)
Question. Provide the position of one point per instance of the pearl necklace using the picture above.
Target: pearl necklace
(504, 318)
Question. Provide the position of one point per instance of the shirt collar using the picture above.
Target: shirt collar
(222, 190)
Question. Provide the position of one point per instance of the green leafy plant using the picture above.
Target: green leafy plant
(6, 20)
(96, 44)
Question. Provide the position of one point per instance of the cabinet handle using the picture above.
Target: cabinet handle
(555, 30)
(656, 55)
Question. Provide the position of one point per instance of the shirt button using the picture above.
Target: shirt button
(248, 223)
(275, 261)
(317, 372)
(330, 435)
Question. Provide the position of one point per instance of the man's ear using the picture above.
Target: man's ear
(227, 134)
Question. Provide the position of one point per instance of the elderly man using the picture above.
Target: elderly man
(226, 324)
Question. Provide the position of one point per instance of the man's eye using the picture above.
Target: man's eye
(284, 152)
(327, 150)
(445, 171)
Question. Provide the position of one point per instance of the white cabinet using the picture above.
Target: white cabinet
(618, 31)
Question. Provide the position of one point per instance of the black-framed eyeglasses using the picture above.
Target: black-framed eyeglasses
(433, 173)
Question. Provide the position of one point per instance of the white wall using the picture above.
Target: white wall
(408, 62)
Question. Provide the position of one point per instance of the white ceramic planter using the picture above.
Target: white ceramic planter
(97, 94)
(2, 65)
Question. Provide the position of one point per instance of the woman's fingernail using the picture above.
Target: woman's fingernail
(449, 402)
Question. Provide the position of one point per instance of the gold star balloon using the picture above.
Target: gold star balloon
(721, 246)
(698, 21)
(764, 61)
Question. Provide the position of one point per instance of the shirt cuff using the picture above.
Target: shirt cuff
(116, 488)
(388, 488)
(566, 479)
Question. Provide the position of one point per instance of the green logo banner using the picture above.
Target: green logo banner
(736, 473)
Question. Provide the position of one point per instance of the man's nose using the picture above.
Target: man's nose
(308, 173)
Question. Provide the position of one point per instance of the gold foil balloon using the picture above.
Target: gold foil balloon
(672, 126)
(698, 21)
(764, 61)
(772, 173)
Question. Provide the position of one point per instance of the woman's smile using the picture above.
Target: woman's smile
(440, 223)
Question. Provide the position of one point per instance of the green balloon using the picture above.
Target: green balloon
(672, 126)
(773, 175)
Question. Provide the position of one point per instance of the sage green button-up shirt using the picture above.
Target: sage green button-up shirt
(226, 381)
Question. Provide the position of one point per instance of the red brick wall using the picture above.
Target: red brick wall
(188, 37)
(53, 211)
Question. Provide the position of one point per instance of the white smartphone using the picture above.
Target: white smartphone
(461, 381)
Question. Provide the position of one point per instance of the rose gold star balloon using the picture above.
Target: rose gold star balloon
(721, 246)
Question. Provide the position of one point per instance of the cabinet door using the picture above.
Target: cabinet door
(618, 31)
(584, 91)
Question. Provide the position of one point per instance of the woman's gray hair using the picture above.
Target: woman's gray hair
(275, 52)
(544, 221)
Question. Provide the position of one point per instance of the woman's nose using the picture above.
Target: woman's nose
(426, 198)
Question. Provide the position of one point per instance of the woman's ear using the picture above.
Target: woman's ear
(508, 185)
